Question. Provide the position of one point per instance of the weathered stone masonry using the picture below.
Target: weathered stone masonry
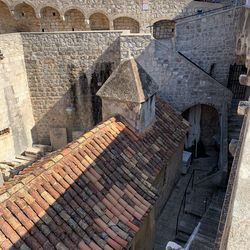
(16, 117)
(210, 41)
(50, 15)
(65, 70)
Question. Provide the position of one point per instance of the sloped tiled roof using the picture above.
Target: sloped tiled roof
(94, 193)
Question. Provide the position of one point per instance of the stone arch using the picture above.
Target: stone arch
(205, 125)
(99, 21)
(51, 20)
(195, 103)
(164, 29)
(126, 23)
(74, 20)
(7, 3)
(8, 22)
(26, 18)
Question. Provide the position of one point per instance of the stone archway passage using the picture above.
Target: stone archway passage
(7, 23)
(204, 129)
(99, 21)
(74, 20)
(26, 18)
(126, 23)
(164, 29)
(51, 20)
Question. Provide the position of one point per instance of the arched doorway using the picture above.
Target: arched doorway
(126, 23)
(7, 21)
(164, 29)
(51, 20)
(74, 20)
(26, 18)
(203, 137)
(99, 21)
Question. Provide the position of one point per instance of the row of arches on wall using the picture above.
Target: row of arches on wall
(23, 18)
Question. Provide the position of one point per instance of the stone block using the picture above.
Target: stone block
(243, 107)
(233, 147)
(58, 137)
(245, 80)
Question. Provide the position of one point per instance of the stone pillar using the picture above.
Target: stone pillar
(111, 25)
(87, 24)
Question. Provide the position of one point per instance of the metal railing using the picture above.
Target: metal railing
(184, 199)
(183, 202)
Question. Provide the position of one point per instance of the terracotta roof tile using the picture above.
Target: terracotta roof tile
(94, 193)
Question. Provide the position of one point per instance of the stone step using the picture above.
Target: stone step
(33, 151)
(196, 210)
(23, 158)
(233, 135)
(188, 223)
(45, 148)
(201, 243)
(181, 237)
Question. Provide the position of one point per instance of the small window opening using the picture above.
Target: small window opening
(54, 13)
(23, 14)
(42, 30)
(73, 29)
(211, 71)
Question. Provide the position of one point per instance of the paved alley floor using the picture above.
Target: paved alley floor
(166, 223)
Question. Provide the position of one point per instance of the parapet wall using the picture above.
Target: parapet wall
(51, 15)
(16, 119)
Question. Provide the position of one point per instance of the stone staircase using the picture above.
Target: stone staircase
(207, 217)
(29, 156)
(206, 236)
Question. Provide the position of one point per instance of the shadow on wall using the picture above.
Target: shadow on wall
(15, 118)
(77, 108)
(74, 204)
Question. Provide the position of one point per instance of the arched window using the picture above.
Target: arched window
(26, 18)
(7, 21)
(126, 23)
(51, 20)
(74, 20)
(164, 29)
(99, 21)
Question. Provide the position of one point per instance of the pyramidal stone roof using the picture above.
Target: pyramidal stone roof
(130, 83)
(92, 194)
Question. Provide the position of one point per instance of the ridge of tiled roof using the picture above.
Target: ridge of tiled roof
(92, 194)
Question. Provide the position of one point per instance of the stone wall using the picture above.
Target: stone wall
(15, 105)
(181, 83)
(233, 231)
(167, 179)
(51, 15)
(210, 41)
(65, 70)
